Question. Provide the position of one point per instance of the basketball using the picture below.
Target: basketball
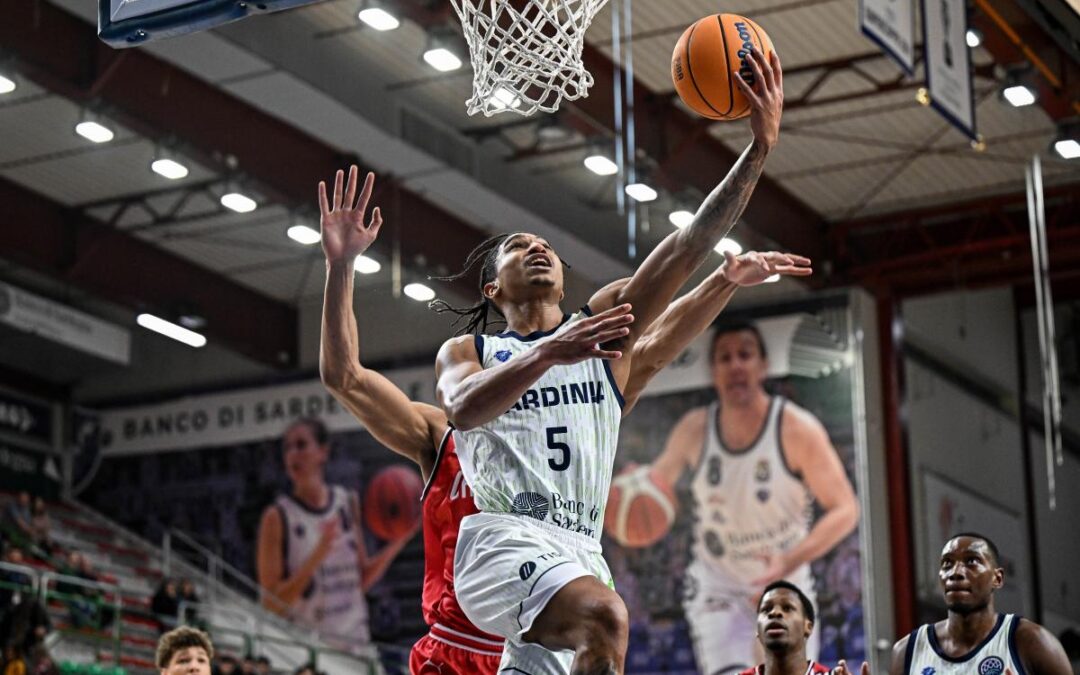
(706, 58)
(640, 508)
(392, 502)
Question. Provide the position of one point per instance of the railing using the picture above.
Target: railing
(25, 570)
(106, 588)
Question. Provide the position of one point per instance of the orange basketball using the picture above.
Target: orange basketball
(392, 502)
(707, 58)
(640, 508)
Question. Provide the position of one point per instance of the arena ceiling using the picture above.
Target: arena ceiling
(879, 189)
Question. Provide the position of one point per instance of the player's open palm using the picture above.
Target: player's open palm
(753, 268)
(584, 339)
(345, 235)
(766, 97)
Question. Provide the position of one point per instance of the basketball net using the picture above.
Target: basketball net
(526, 54)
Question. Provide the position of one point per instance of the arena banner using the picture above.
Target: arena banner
(60, 323)
(710, 505)
(891, 25)
(948, 62)
(25, 418)
(237, 416)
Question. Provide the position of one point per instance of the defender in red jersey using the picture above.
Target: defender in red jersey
(785, 619)
(420, 431)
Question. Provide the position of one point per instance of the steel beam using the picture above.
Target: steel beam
(158, 100)
(45, 236)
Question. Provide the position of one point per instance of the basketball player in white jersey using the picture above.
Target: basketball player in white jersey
(311, 556)
(536, 411)
(756, 462)
(419, 431)
(975, 638)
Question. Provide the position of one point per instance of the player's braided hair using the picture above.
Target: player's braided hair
(486, 254)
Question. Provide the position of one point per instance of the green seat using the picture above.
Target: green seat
(69, 668)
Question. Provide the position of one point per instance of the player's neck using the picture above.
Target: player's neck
(532, 315)
(753, 405)
(791, 662)
(963, 632)
(312, 493)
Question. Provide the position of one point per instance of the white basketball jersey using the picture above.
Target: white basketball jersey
(996, 653)
(550, 456)
(748, 505)
(333, 603)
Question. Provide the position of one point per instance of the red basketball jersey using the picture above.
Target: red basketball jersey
(812, 667)
(447, 499)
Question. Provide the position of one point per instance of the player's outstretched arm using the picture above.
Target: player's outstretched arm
(404, 426)
(471, 395)
(690, 315)
(672, 262)
(811, 455)
(1040, 652)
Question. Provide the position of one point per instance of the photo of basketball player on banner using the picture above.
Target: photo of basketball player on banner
(738, 473)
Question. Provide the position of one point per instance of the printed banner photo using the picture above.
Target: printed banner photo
(891, 25)
(948, 62)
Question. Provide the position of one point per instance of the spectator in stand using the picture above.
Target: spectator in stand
(10, 579)
(103, 613)
(166, 605)
(226, 665)
(307, 669)
(184, 651)
(17, 519)
(14, 664)
(248, 666)
(262, 666)
(39, 527)
(26, 625)
(189, 595)
(81, 609)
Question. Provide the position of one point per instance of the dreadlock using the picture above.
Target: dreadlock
(486, 255)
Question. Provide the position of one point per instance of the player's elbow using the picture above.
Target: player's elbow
(849, 513)
(460, 411)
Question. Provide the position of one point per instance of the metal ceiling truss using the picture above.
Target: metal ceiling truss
(237, 140)
(975, 243)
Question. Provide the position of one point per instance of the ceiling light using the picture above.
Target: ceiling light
(728, 244)
(973, 37)
(442, 59)
(238, 202)
(169, 168)
(1068, 148)
(1019, 95)
(772, 280)
(681, 218)
(93, 131)
(7, 85)
(365, 265)
(378, 18)
(419, 292)
(641, 192)
(302, 234)
(170, 329)
(504, 98)
(601, 165)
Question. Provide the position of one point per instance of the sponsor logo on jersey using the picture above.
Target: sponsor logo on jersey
(762, 472)
(762, 495)
(929, 670)
(713, 474)
(503, 355)
(530, 504)
(459, 489)
(526, 570)
(577, 393)
(991, 665)
(713, 543)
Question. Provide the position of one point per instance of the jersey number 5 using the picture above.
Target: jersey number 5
(563, 462)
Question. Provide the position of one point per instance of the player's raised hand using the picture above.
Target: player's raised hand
(766, 97)
(753, 268)
(344, 233)
(842, 668)
(583, 340)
